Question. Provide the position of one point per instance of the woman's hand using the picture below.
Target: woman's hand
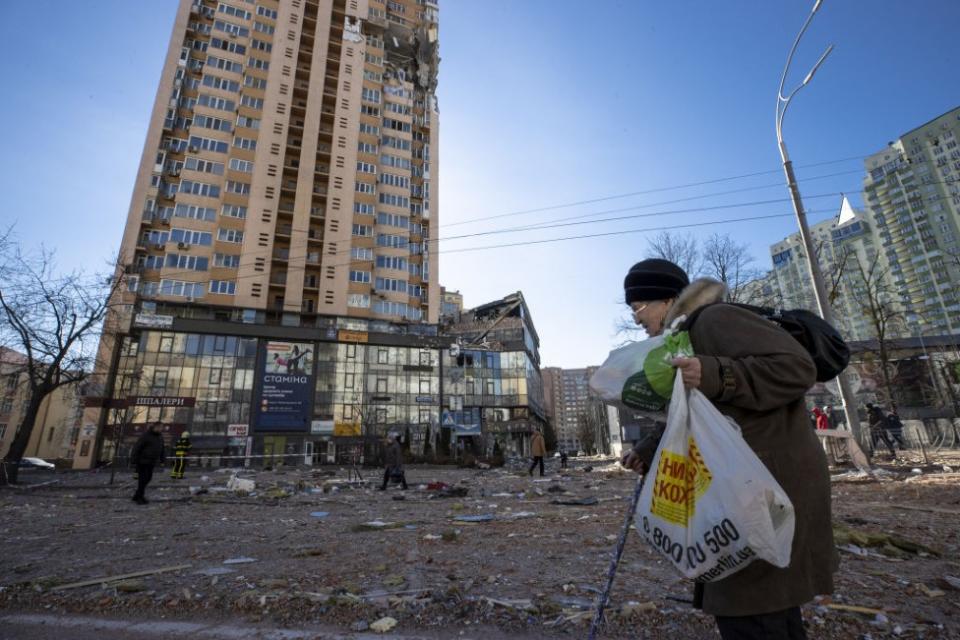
(690, 369)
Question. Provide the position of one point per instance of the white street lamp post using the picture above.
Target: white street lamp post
(816, 276)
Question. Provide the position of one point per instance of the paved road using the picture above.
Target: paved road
(24, 626)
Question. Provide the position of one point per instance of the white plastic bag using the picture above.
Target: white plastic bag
(708, 503)
(640, 374)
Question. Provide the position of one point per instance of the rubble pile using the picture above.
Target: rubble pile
(490, 549)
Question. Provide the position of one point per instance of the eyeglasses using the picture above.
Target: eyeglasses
(638, 309)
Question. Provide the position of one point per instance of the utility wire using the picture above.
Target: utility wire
(649, 191)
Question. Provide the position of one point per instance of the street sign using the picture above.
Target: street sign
(238, 430)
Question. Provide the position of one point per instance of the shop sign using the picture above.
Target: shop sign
(352, 336)
(321, 427)
(424, 398)
(238, 430)
(161, 401)
(285, 389)
(346, 429)
(153, 321)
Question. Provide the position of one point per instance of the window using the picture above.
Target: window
(189, 236)
(395, 200)
(393, 220)
(424, 385)
(369, 128)
(257, 63)
(180, 288)
(366, 147)
(233, 11)
(245, 143)
(262, 27)
(396, 143)
(206, 122)
(199, 188)
(351, 351)
(224, 65)
(362, 230)
(261, 45)
(224, 287)
(360, 276)
(233, 211)
(214, 102)
(397, 242)
(226, 45)
(425, 358)
(244, 166)
(207, 144)
(400, 109)
(382, 356)
(361, 253)
(392, 262)
(250, 101)
(238, 187)
(230, 235)
(250, 123)
(254, 82)
(390, 284)
(370, 95)
(358, 300)
(226, 260)
(395, 161)
(268, 13)
(204, 166)
(394, 180)
(216, 82)
(229, 27)
(366, 167)
(192, 263)
(367, 110)
(194, 212)
(364, 209)
(12, 381)
(364, 187)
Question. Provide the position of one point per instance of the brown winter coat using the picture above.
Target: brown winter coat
(771, 373)
(538, 446)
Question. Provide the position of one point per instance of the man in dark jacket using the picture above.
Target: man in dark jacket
(878, 429)
(393, 462)
(895, 428)
(756, 373)
(145, 455)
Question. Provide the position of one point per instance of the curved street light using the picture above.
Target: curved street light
(816, 276)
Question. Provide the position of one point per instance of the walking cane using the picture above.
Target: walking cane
(615, 560)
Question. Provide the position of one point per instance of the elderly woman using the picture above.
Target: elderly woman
(756, 373)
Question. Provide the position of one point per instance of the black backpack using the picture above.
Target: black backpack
(821, 340)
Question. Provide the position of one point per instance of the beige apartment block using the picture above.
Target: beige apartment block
(289, 174)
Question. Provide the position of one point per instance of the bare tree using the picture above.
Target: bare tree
(868, 285)
(681, 249)
(54, 322)
(730, 262)
(586, 432)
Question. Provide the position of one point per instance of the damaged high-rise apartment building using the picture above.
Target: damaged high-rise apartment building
(279, 250)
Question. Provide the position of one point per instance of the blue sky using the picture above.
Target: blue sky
(542, 103)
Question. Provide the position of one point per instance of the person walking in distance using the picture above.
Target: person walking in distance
(878, 429)
(757, 374)
(393, 462)
(895, 429)
(538, 449)
(181, 449)
(146, 453)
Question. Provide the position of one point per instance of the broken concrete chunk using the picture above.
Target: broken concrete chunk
(240, 560)
(241, 484)
(383, 625)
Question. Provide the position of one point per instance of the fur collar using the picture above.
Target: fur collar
(700, 292)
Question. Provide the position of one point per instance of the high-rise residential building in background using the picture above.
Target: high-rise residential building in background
(900, 251)
(567, 393)
(283, 223)
(290, 162)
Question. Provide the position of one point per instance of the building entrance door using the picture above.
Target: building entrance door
(308, 453)
(273, 450)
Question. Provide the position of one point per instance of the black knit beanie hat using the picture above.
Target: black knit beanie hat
(654, 279)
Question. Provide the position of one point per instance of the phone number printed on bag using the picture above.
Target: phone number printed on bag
(716, 539)
(679, 482)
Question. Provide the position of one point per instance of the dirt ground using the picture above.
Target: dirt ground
(310, 548)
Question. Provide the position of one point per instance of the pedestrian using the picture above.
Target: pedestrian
(828, 415)
(393, 462)
(757, 374)
(895, 428)
(563, 458)
(146, 453)
(538, 449)
(181, 448)
(878, 429)
(821, 419)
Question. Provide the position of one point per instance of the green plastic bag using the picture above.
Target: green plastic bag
(640, 375)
